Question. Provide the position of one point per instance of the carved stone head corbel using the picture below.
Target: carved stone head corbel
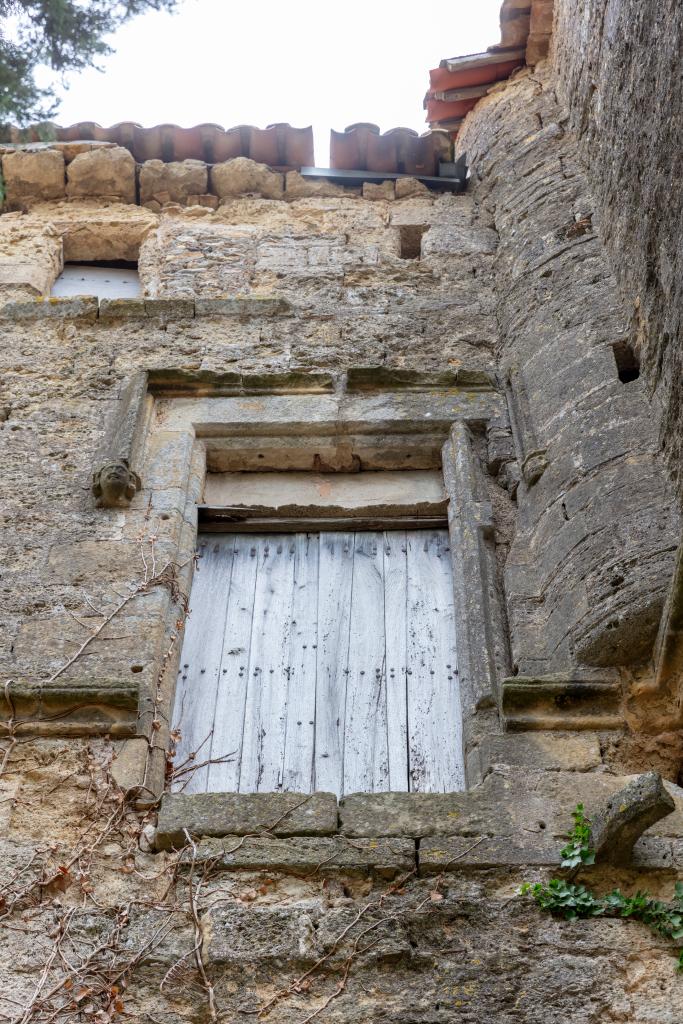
(115, 483)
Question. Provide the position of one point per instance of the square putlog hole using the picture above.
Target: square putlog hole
(410, 240)
(628, 364)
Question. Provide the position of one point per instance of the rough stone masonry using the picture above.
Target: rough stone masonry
(269, 300)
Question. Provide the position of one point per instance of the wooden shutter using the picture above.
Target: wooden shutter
(321, 661)
(105, 282)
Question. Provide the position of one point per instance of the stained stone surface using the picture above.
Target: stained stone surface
(311, 856)
(565, 245)
(239, 814)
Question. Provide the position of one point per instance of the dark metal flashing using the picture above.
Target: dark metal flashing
(454, 181)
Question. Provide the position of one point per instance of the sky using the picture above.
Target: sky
(298, 61)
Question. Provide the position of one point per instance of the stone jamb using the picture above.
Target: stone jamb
(185, 430)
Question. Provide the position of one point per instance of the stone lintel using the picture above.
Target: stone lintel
(384, 378)
(554, 702)
(241, 814)
(201, 383)
(310, 855)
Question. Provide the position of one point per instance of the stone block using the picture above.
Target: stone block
(32, 177)
(385, 190)
(455, 853)
(173, 182)
(69, 150)
(388, 939)
(208, 200)
(94, 559)
(112, 232)
(565, 751)
(407, 187)
(243, 935)
(242, 305)
(128, 765)
(52, 308)
(242, 176)
(102, 173)
(556, 702)
(72, 707)
(121, 309)
(456, 240)
(539, 799)
(298, 187)
(653, 853)
(310, 855)
(401, 814)
(25, 280)
(170, 309)
(240, 814)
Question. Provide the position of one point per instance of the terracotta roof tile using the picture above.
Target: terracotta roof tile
(525, 30)
(457, 84)
(398, 151)
(278, 145)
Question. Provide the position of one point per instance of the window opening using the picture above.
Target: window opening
(628, 364)
(116, 279)
(410, 240)
(321, 661)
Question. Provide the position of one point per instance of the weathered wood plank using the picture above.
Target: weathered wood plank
(366, 763)
(334, 606)
(434, 720)
(234, 673)
(266, 708)
(195, 704)
(395, 632)
(322, 661)
(297, 761)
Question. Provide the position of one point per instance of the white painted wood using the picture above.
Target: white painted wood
(366, 762)
(297, 761)
(335, 576)
(195, 704)
(224, 775)
(434, 720)
(265, 717)
(104, 282)
(395, 634)
(322, 661)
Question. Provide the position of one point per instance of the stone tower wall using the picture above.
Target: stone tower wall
(269, 300)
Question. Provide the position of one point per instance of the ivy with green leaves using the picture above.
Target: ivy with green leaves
(578, 850)
(570, 901)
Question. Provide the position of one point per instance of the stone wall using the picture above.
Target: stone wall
(593, 485)
(275, 294)
(618, 67)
